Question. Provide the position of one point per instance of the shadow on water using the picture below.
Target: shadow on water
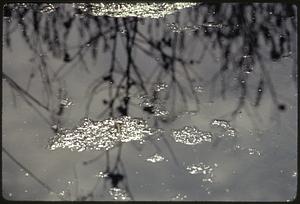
(242, 38)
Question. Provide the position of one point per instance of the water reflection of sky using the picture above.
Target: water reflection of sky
(230, 62)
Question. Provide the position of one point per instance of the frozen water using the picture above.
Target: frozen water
(213, 25)
(142, 10)
(119, 194)
(155, 158)
(48, 8)
(147, 101)
(179, 197)
(98, 135)
(160, 112)
(102, 175)
(198, 89)
(220, 123)
(191, 135)
(203, 169)
(254, 152)
(160, 86)
(247, 64)
(66, 102)
(159, 106)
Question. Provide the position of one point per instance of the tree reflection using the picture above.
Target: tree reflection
(246, 35)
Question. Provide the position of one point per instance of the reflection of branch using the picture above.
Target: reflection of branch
(268, 79)
(49, 189)
(241, 98)
(24, 93)
(168, 145)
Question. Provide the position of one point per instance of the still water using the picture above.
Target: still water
(156, 102)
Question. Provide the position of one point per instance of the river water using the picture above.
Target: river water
(149, 102)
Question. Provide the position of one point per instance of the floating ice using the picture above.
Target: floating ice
(48, 8)
(142, 10)
(102, 175)
(119, 194)
(62, 193)
(247, 64)
(98, 135)
(198, 89)
(160, 112)
(157, 105)
(186, 113)
(146, 101)
(177, 29)
(230, 132)
(155, 158)
(203, 169)
(66, 102)
(220, 123)
(192, 28)
(191, 135)
(160, 86)
(213, 25)
(200, 168)
(179, 197)
(253, 151)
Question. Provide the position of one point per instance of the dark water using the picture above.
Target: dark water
(101, 103)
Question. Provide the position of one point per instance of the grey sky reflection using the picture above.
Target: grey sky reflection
(105, 66)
